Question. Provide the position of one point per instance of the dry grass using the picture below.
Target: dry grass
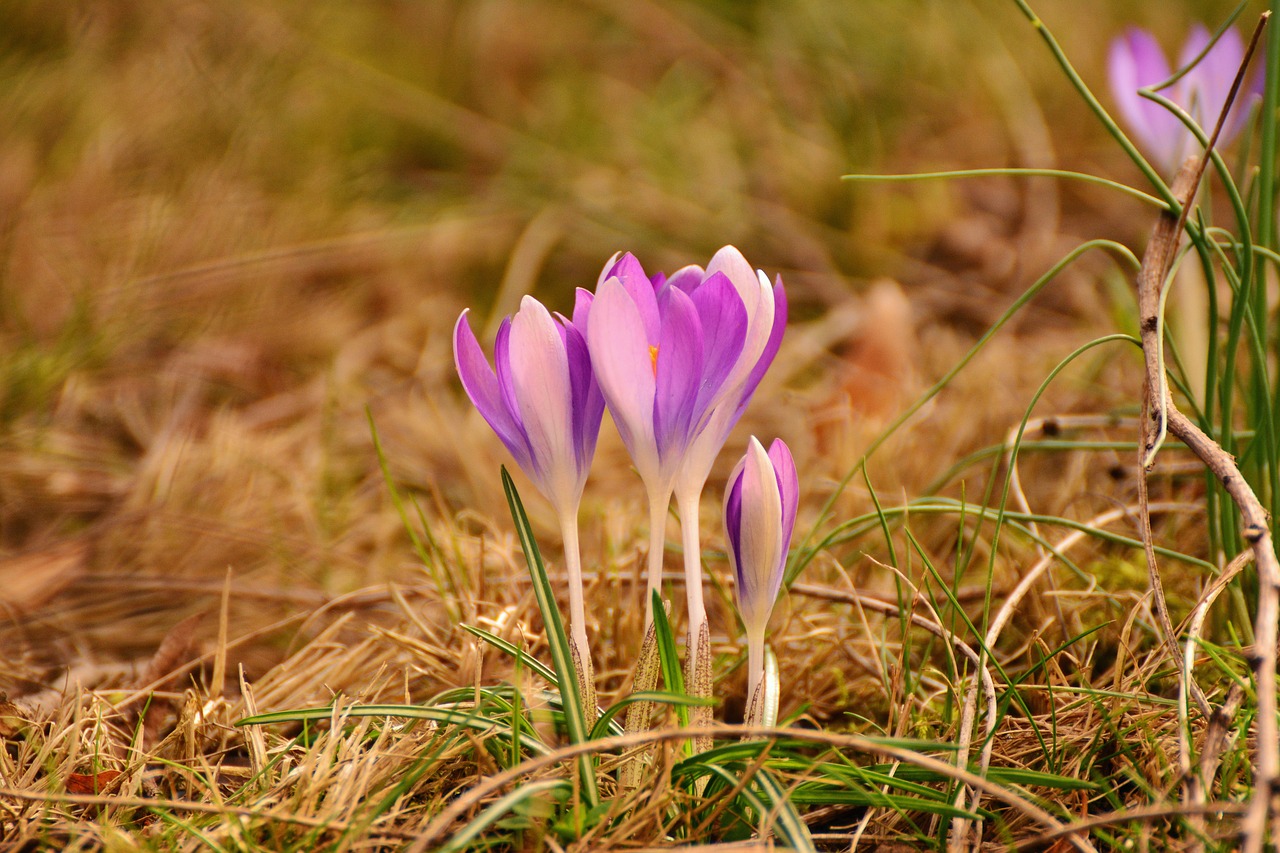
(231, 232)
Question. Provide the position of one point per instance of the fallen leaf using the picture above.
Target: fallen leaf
(92, 783)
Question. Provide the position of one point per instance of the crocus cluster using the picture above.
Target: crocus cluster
(676, 360)
(1136, 61)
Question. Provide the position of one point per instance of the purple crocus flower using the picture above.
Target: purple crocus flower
(545, 405)
(1136, 61)
(662, 352)
(759, 516)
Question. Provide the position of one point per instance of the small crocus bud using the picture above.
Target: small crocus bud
(759, 517)
(1136, 61)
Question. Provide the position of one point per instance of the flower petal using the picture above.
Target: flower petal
(761, 536)
(733, 521)
(729, 260)
(1209, 83)
(540, 375)
(481, 385)
(502, 365)
(588, 403)
(679, 372)
(607, 271)
(643, 293)
(623, 366)
(784, 468)
(779, 295)
(724, 327)
(687, 278)
(1136, 61)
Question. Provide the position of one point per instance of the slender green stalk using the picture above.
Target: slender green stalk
(1266, 191)
(558, 643)
(1017, 172)
(1086, 94)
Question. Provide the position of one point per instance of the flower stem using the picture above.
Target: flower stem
(755, 662)
(578, 616)
(687, 502)
(659, 500)
(698, 650)
(573, 567)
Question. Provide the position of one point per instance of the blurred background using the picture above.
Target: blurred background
(232, 232)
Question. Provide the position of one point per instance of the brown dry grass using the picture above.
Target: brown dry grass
(228, 230)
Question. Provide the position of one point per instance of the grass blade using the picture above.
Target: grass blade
(464, 837)
(606, 726)
(672, 673)
(557, 640)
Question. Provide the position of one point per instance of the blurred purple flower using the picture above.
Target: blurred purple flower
(1137, 61)
(543, 400)
(759, 516)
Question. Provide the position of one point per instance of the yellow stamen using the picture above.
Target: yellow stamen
(653, 356)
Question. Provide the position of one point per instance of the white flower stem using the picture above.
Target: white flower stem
(687, 502)
(755, 663)
(573, 566)
(659, 500)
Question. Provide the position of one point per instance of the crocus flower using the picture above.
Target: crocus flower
(1136, 61)
(545, 405)
(759, 517)
(662, 352)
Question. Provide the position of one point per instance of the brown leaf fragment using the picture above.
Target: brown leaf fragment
(92, 783)
(879, 374)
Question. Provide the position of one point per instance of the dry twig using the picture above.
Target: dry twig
(1164, 416)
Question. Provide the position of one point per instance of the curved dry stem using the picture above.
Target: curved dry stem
(1197, 786)
(1160, 406)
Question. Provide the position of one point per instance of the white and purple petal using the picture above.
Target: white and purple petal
(724, 328)
(759, 537)
(1136, 61)
(623, 365)
(540, 370)
(481, 385)
(770, 348)
(631, 274)
(678, 371)
(784, 468)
